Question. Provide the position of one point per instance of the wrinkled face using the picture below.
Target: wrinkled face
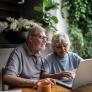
(60, 49)
(38, 40)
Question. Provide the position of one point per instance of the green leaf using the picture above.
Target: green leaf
(54, 19)
(38, 8)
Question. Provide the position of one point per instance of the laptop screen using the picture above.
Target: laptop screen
(83, 74)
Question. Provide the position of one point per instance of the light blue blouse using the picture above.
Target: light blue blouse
(54, 64)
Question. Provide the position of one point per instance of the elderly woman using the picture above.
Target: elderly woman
(61, 63)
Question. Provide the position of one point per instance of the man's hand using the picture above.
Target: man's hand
(46, 80)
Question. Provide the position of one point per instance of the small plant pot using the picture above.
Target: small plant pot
(15, 37)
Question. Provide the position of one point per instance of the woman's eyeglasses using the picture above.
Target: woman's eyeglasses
(60, 45)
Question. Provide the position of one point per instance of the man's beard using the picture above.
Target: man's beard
(43, 47)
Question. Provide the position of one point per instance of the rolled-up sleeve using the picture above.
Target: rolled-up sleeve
(45, 66)
(13, 65)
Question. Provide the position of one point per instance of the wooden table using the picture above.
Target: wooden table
(58, 88)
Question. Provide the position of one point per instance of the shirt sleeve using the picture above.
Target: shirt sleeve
(13, 66)
(45, 66)
(77, 59)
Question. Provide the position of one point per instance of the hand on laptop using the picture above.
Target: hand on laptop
(73, 72)
(69, 74)
(63, 74)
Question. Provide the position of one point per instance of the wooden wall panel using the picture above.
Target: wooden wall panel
(8, 8)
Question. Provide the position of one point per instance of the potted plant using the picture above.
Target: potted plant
(47, 19)
(21, 25)
(15, 30)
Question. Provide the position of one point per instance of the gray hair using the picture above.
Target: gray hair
(34, 27)
(58, 38)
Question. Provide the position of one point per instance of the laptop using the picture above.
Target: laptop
(82, 77)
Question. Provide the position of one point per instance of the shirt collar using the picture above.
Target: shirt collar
(29, 52)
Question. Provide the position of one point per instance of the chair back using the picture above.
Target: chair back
(4, 85)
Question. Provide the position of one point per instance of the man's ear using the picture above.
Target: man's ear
(30, 38)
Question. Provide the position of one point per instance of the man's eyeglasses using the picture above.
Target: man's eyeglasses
(41, 37)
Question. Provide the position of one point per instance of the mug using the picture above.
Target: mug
(44, 87)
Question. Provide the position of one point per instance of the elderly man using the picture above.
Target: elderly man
(24, 64)
(61, 63)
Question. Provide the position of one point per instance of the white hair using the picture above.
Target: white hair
(58, 38)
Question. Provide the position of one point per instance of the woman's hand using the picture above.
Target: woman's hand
(73, 72)
(63, 74)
